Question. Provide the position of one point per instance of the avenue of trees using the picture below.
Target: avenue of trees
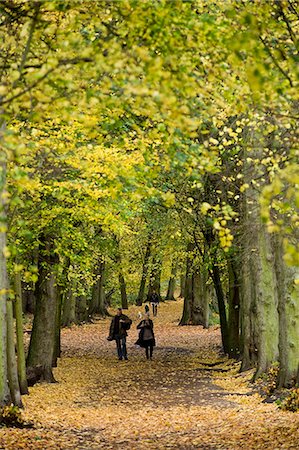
(147, 144)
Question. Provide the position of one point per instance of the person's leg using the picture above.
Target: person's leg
(151, 350)
(153, 306)
(124, 347)
(146, 352)
(118, 346)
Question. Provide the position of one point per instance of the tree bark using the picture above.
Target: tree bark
(28, 298)
(248, 338)
(155, 278)
(57, 337)
(288, 312)
(171, 283)
(123, 291)
(267, 302)
(121, 278)
(81, 309)
(5, 398)
(12, 371)
(233, 308)
(200, 304)
(216, 277)
(140, 297)
(69, 307)
(102, 310)
(41, 348)
(182, 286)
(95, 293)
(21, 360)
(221, 305)
(186, 316)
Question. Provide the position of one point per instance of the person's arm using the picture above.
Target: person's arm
(140, 325)
(126, 319)
(111, 329)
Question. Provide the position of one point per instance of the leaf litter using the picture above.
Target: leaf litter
(188, 397)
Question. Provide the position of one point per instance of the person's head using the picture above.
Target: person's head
(119, 311)
(147, 316)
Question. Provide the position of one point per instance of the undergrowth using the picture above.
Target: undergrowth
(291, 401)
(11, 416)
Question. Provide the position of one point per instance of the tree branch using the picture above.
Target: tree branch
(284, 73)
(28, 44)
(62, 62)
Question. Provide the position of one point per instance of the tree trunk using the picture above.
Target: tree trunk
(182, 286)
(5, 398)
(292, 309)
(233, 308)
(123, 291)
(28, 298)
(216, 277)
(95, 293)
(140, 297)
(12, 371)
(186, 316)
(248, 338)
(69, 307)
(81, 309)
(171, 283)
(41, 348)
(288, 311)
(57, 341)
(212, 298)
(19, 331)
(155, 278)
(200, 304)
(102, 308)
(221, 306)
(267, 302)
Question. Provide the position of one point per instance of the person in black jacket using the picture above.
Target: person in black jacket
(118, 332)
(146, 337)
(154, 300)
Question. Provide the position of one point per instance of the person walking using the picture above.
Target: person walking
(118, 332)
(154, 300)
(146, 337)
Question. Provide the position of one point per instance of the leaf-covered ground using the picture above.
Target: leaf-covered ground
(188, 397)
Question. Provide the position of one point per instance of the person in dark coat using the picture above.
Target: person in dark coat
(146, 337)
(118, 332)
(154, 299)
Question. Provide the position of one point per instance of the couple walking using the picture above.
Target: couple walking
(119, 326)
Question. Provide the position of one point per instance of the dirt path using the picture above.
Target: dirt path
(188, 397)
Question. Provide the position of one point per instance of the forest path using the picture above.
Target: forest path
(188, 397)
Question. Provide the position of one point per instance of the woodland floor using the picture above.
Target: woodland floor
(180, 400)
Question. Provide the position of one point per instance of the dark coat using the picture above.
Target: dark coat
(142, 326)
(122, 328)
(153, 298)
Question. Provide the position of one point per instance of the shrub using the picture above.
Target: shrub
(11, 416)
(291, 402)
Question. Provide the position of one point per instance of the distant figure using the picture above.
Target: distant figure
(118, 332)
(146, 308)
(146, 337)
(154, 300)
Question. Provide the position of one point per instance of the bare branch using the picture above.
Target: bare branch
(284, 73)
